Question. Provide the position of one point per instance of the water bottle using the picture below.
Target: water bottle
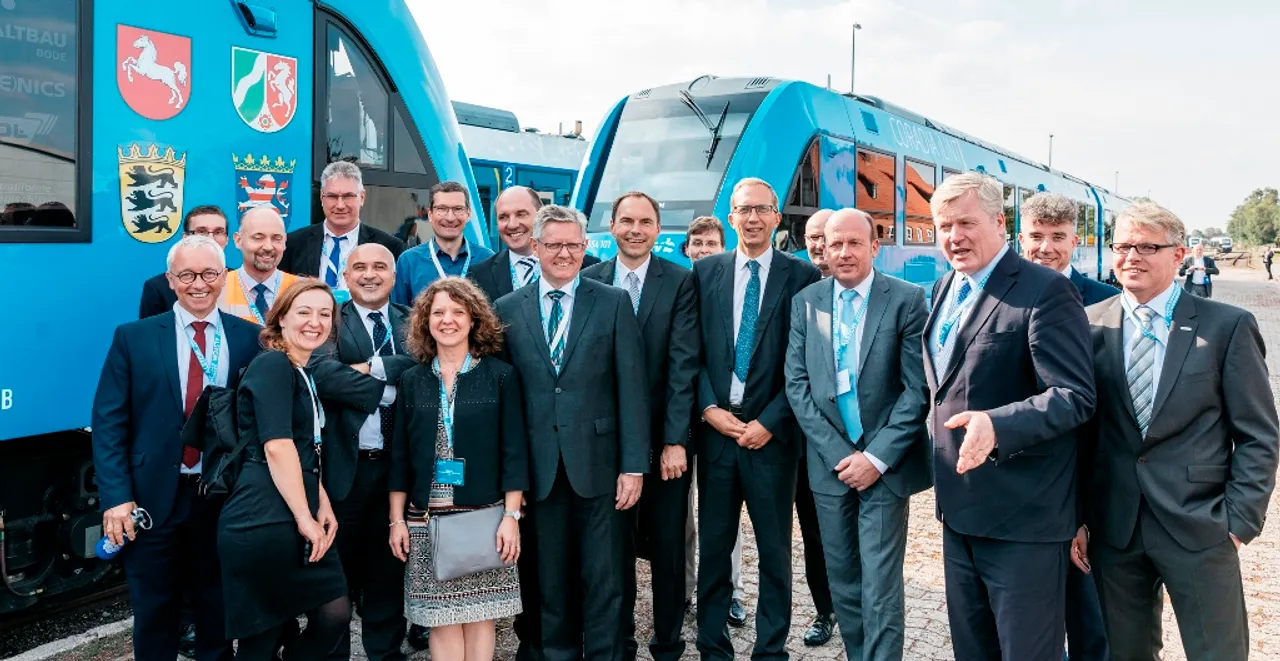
(107, 550)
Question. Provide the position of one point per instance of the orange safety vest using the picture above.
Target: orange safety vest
(234, 300)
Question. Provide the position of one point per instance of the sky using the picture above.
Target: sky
(1180, 97)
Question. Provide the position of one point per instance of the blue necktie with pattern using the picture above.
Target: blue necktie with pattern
(847, 403)
(1141, 371)
(555, 340)
(382, 343)
(747, 325)
(335, 262)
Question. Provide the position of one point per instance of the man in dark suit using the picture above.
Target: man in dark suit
(1185, 457)
(321, 250)
(357, 378)
(1006, 357)
(205, 220)
(661, 294)
(749, 444)
(578, 349)
(855, 379)
(154, 373)
(1198, 268)
(1049, 238)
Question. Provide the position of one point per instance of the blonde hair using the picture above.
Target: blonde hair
(989, 190)
(1153, 216)
(754, 181)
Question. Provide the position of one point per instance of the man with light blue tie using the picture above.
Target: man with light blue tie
(855, 380)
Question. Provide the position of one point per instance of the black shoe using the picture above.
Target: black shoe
(737, 614)
(187, 641)
(820, 631)
(418, 636)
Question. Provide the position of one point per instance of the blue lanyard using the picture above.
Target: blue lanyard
(559, 332)
(446, 398)
(435, 259)
(253, 308)
(210, 369)
(845, 338)
(944, 331)
(317, 412)
(1168, 315)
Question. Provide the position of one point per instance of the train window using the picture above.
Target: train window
(391, 208)
(405, 153)
(920, 178)
(875, 192)
(1026, 194)
(1010, 216)
(1109, 228)
(801, 201)
(41, 141)
(358, 105)
(1088, 225)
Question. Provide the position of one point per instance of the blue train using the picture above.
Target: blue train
(118, 117)
(688, 143)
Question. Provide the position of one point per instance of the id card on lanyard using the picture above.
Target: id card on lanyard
(450, 471)
(435, 259)
(844, 380)
(208, 365)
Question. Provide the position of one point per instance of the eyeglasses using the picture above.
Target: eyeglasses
(573, 248)
(1142, 248)
(334, 197)
(760, 209)
(446, 211)
(208, 275)
(217, 232)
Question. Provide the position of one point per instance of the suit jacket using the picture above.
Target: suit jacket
(488, 434)
(138, 410)
(1207, 465)
(1210, 270)
(493, 274)
(303, 246)
(157, 297)
(1092, 291)
(893, 396)
(764, 398)
(594, 414)
(349, 397)
(668, 318)
(1022, 357)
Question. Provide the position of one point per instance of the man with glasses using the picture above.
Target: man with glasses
(321, 250)
(1180, 461)
(815, 241)
(204, 220)
(750, 443)
(447, 253)
(153, 375)
(578, 350)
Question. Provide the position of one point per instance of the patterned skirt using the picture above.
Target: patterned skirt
(488, 595)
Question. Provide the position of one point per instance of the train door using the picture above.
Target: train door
(800, 200)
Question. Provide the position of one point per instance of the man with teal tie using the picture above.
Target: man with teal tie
(855, 380)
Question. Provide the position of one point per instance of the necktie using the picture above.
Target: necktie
(633, 288)
(847, 403)
(260, 301)
(529, 268)
(1141, 372)
(383, 344)
(747, 325)
(195, 385)
(553, 323)
(335, 262)
(942, 357)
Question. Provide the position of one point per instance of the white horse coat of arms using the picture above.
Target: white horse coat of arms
(154, 75)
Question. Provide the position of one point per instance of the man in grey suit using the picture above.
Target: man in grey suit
(855, 380)
(577, 347)
(1180, 476)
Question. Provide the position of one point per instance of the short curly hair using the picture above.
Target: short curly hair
(485, 337)
(272, 336)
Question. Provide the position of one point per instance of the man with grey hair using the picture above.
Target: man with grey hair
(577, 348)
(1007, 360)
(1181, 462)
(153, 375)
(321, 250)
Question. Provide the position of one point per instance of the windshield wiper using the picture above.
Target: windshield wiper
(687, 99)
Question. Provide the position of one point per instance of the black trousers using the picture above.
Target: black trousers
(1005, 600)
(375, 577)
(580, 571)
(725, 482)
(180, 556)
(661, 515)
(528, 624)
(1086, 632)
(815, 561)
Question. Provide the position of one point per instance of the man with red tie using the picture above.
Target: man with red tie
(154, 372)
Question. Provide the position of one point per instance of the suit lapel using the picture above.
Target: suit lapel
(724, 296)
(502, 266)
(584, 300)
(1002, 279)
(398, 324)
(607, 269)
(353, 327)
(825, 379)
(1175, 355)
(877, 304)
(650, 289)
(779, 272)
(1113, 354)
(168, 343)
(938, 295)
(533, 317)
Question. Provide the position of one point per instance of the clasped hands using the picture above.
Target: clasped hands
(750, 435)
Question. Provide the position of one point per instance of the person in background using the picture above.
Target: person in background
(705, 236)
(204, 220)
(1197, 268)
(277, 528)
(252, 288)
(448, 252)
(1267, 258)
(154, 373)
(814, 238)
(459, 409)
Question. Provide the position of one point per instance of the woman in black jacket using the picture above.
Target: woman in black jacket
(459, 445)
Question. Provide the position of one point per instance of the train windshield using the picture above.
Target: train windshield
(664, 147)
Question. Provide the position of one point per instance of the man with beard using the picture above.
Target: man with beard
(447, 253)
(252, 288)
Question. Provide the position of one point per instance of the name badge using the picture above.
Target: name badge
(843, 383)
(451, 472)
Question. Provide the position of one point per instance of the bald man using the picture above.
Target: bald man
(252, 288)
(815, 242)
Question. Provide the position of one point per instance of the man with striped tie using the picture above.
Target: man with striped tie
(1007, 360)
(578, 350)
(1182, 462)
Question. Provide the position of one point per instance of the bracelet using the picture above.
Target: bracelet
(394, 523)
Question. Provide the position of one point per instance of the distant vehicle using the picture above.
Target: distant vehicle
(1194, 241)
(1224, 244)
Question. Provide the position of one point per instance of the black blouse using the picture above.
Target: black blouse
(488, 433)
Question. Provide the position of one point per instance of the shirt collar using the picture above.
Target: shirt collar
(621, 273)
(544, 288)
(185, 318)
(863, 288)
(365, 312)
(249, 283)
(349, 235)
(461, 251)
(1158, 303)
(1068, 271)
(991, 266)
(741, 259)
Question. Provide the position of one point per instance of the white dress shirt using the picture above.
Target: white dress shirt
(620, 272)
(371, 431)
(185, 336)
(350, 239)
(272, 282)
(1068, 271)
(566, 305)
(860, 302)
(949, 298)
(1131, 328)
(1198, 276)
(741, 276)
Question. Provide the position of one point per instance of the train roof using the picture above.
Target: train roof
(532, 149)
(470, 114)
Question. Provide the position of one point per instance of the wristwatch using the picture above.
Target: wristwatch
(515, 514)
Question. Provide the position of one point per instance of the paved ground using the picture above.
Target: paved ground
(927, 628)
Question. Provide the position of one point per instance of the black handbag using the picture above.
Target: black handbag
(465, 543)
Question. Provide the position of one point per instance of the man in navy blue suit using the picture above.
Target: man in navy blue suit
(154, 372)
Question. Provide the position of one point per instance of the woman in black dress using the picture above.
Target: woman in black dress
(277, 526)
(438, 468)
